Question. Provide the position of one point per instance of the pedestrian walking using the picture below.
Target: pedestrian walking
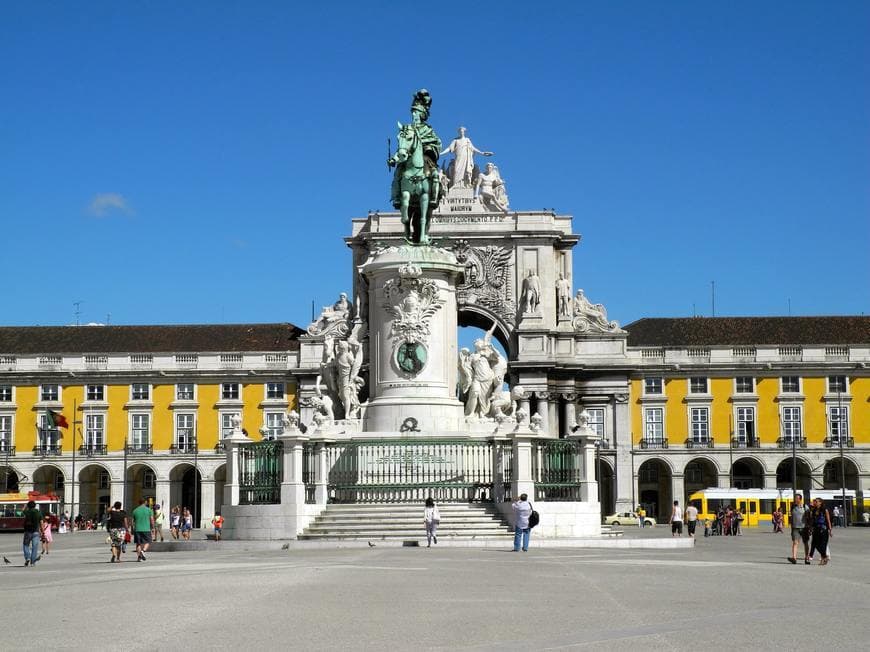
(777, 520)
(820, 520)
(143, 524)
(118, 523)
(522, 532)
(32, 526)
(836, 514)
(175, 522)
(677, 520)
(158, 524)
(738, 522)
(45, 536)
(691, 519)
(641, 516)
(800, 529)
(431, 519)
(218, 523)
(186, 524)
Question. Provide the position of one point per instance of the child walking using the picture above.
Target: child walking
(431, 519)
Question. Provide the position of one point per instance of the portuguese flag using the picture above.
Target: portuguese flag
(57, 420)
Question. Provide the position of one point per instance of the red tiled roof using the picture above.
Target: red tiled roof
(746, 331)
(34, 340)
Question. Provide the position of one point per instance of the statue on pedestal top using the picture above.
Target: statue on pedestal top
(416, 188)
(461, 170)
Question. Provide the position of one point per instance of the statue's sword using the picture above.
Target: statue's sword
(389, 153)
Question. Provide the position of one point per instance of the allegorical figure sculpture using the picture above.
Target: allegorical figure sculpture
(591, 316)
(490, 188)
(340, 372)
(462, 168)
(563, 294)
(333, 319)
(531, 294)
(481, 377)
(416, 188)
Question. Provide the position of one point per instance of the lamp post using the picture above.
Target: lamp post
(196, 487)
(840, 433)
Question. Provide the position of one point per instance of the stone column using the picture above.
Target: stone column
(321, 474)
(498, 467)
(620, 439)
(553, 419)
(543, 409)
(292, 484)
(161, 495)
(678, 491)
(769, 480)
(723, 480)
(231, 444)
(570, 414)
(116, 494)
(523, 482)
(206, 502)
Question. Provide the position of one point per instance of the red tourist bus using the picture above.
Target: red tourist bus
(12, 508)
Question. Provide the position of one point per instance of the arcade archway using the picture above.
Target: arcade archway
(747, 473)
(654, 487)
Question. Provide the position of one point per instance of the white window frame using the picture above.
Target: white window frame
(238, 392)
(192, 391)
(55, 399)
(699, 425)
(706, 389)
(95, 386)
(45, 436)
(649, 425)
(137, 429)
(11, 393)
(835, 424)
(273, 423)
(104, 480)
(597, 420)
(133, 387)
(225, 421)
(95, 430)
(737, 386)
(792, 429)
(269, 387)
(833, 390)
(782, 388)
(741, 433)
(149, 479)
(652, 380)
(7, 432)
(184, 436)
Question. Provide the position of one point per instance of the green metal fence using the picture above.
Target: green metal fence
(557, 469)
(260, 473)
(386, 471)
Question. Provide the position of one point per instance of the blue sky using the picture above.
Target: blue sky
(200, 162)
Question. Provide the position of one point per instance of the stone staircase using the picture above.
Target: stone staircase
(404, 522)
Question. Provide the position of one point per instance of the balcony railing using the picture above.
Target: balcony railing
(789, 442)
(834, 442)
(93, 450)
(749, 442)
(6, 450)
(181, 449)
(653, 443)
(140, 449)
(703, 443)
(220, 447)
(46, 450)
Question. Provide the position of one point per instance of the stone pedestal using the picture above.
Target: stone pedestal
(231, 444)
(412, 340)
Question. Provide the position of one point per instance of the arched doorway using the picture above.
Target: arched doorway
(654, 488)
(94, 492)
(49, 479)
(835, 480)
(700, 474)
(804, 475)
(747, 473)
(605, 487)
(9, 480)
(141, 483)
(185, 489)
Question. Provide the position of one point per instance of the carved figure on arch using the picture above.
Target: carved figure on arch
(461, 169)
(592, 317)
(490, 188)
(563, 294)
(333, 319)
(481, 378)
(531, 292)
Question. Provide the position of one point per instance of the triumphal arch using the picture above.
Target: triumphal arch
(382, 367)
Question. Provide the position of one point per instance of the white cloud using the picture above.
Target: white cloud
(106, 204)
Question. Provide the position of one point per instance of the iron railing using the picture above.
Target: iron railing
(557, 470)
(384, 471)
(834, 442)
(748, 442)
(178, 449)
(140, 449)
(309, 472)
(43, 451)
(260, 473)
(220, 447)
(789, 442)
(7, 450)
(702, 443)
(93, 450)
(653, 443)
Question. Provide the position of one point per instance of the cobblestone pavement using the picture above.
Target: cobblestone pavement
(733, 592)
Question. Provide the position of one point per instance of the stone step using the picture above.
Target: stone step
(453, 518)
(379, 536)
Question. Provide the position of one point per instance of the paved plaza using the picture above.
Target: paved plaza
(731, 592)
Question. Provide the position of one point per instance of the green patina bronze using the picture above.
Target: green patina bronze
(416, 188)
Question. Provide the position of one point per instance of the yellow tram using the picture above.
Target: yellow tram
(758, 505)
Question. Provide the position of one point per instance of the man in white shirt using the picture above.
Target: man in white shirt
(677, 520)
(522, 510)
(691, 518)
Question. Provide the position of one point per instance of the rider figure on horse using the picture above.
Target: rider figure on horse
(431, 145)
